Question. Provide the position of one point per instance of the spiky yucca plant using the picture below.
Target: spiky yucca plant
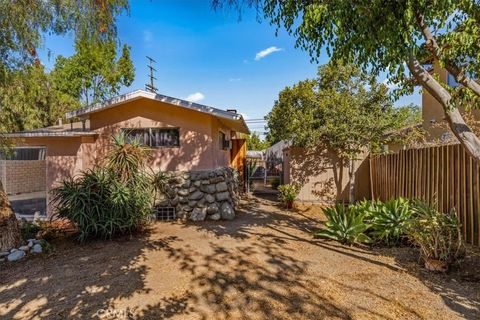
(108, 200)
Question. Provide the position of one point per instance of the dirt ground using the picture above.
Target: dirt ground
(263, 265)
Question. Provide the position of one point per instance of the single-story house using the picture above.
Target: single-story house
(184, 136)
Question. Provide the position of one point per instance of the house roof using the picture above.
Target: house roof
(229, 118)
(74, 129)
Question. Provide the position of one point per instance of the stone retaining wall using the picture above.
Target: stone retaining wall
(202, 195)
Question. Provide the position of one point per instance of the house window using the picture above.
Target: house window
(223, 143)
(25, 154)
(154, 137)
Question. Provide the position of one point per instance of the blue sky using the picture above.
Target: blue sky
(208, 56)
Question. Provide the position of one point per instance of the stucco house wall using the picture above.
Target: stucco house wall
(199, 133)
(322, 176)
(199, 147)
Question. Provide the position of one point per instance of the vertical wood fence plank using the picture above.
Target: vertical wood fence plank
(443, 175)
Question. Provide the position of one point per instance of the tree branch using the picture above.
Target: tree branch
(434, 48)
(455, 120)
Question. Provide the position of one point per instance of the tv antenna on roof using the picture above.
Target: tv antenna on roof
(150, 86)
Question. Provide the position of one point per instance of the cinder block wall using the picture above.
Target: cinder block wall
(23, 176)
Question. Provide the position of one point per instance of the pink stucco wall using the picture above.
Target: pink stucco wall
(199, 134)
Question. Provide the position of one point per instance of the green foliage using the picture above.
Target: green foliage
(436, 234)
(23, 24)
(30, 99)
(390, 220)
(29, 229)
(344, 109)
(345, 224)
(94, 74)
(288, 192)
(378, 35)
(108, 200)
(255, 143)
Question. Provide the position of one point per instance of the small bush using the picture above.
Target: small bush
(437, 235)
(108, 200)
(29, 229)
(288, 194)
(345, 224)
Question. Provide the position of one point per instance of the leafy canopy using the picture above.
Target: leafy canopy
(255, 143)
(344, 109)
(30, 99)
(23, 24)
(377, 35)
(94, 73)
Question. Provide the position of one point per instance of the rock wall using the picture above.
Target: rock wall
(201, 195)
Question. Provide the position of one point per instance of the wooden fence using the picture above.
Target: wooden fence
(445, 175)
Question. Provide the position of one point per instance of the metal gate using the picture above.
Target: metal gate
(263, 176)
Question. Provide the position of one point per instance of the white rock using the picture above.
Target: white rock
(37, 248)
(30, 244)
(4, 254)
(24, 248)
(16, 255)
(13, 250)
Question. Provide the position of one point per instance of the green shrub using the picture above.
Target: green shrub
(29, 229)
(436, 234)
(345, 224)
(288, 193)
(108, 200)
(390, 220)
(275, 183)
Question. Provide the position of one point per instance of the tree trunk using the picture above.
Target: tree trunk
(351, 181)
(9, 230)
(454, 119)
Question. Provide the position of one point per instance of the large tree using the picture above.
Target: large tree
(22, 26)
(344, 110)
(392, 36)
(255, 143)
(30, 99)
(94, 73)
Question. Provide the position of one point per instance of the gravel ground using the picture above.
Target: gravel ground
(263, 265)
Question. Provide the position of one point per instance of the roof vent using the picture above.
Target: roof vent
(232, 110)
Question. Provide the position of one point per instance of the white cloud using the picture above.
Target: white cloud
(147, 36)
(262, 54)
(195, 97)
(234, 79)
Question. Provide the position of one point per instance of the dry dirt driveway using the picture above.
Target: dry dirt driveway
(263, 265)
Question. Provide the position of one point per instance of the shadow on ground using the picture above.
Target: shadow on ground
(263, 265)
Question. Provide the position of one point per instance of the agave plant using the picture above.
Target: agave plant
(345, 224)
(390, 220)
